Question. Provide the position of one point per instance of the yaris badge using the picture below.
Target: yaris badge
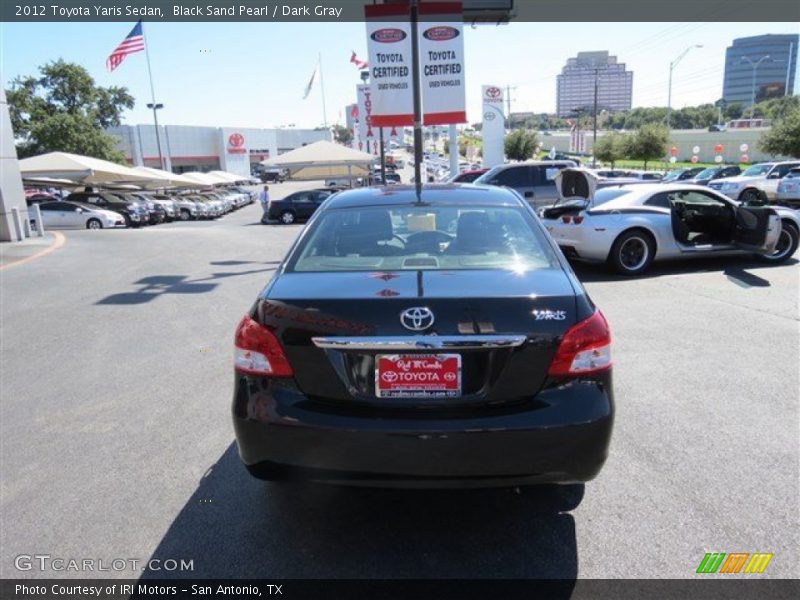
(417, 318)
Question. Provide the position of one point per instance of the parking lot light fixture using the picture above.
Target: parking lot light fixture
(672, 66)
(754, 65)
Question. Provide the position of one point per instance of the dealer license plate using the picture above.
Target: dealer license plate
(418, 375)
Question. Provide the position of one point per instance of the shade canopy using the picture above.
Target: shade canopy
(165, 179)
(322, 160)
(228, 177)
(206, 179)
(79, 169)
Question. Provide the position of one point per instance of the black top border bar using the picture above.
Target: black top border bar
(331, 11)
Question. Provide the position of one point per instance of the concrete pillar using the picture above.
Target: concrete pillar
(12, 194)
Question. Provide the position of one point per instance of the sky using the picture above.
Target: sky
(254, 74)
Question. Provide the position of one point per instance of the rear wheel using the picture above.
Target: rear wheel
(632, 252)
(94, 224)
(786, 247)
(287, 217)
(185, 215)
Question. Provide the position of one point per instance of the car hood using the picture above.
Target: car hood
(742, 179)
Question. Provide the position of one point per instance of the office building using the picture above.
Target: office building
(775, 76)
(575, 84)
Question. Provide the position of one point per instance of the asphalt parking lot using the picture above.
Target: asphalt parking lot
(117, 440)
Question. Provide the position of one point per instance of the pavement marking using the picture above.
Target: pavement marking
(61, 239)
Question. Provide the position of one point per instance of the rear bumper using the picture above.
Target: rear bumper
(559, 436)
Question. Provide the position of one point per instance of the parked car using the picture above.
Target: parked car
(681, 174)
(710, 174)
(73, 215)
(272, 176)
(562, 156)
(156, 210)
(629, 226)
(134, 213)
(789, 189)
(467, 176)
(436, 343)
(534, 180)
(39, 197)
(759, 181)
(298, 206)
(185, 208)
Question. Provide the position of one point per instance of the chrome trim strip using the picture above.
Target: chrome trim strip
(421, 342)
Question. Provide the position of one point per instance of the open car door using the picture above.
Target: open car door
(575, 187)
(757, 229)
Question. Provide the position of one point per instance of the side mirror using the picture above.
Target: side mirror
(774, 175)
(529, 194)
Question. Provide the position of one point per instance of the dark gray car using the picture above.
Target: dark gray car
(534, 180)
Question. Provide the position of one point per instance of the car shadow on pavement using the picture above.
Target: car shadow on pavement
(237, 526)
(154, 286)
(735, 268)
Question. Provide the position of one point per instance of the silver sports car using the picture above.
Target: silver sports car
(629, 226)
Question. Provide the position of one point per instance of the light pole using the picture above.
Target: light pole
(672, 66)
(155, 107)
(594, 121)
(754, 65)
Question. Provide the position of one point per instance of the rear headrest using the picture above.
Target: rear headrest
(472, 224)
(377, 224)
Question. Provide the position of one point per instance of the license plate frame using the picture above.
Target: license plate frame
(428, 380)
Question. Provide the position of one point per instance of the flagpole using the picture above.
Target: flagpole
(154, 106)
(322, 88)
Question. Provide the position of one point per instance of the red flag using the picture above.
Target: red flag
(360, 64)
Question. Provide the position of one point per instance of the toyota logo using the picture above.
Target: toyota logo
(417, 318)
(493, 92)
(236, 140)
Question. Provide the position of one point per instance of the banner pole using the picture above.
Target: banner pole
(322, 89)
(153, 96)
(417, 100)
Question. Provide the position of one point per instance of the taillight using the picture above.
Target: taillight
(585, 348)
(577, 219)
(258, 352)
(566, 219)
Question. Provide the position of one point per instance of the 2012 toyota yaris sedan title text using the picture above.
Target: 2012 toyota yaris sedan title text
(440, 341)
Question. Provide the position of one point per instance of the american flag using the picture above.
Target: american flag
(360, 64)
(133, 43)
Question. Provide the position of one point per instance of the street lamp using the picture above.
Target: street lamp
(155, 107)
(754, 65)
(672, 65)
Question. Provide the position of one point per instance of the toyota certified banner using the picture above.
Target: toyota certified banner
(494, 128)
(441, 54)
(390, 67)
(367, 136)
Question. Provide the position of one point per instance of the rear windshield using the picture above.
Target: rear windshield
(604, 195)
(673, 175)
(423, 238)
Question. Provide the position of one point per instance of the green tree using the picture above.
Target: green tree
(649, 142)
(64, 110)
(610, 148)
(341, 134)
(520, 144)
(784, 136)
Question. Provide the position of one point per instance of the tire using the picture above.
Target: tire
(632, 252)
(185, 215)
(287, 217)
(750, 197)
(787, 245)
(94, 224)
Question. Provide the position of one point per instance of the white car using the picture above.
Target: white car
(629, 226)
(72, 215)
(760, 178)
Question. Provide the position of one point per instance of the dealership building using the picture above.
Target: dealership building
(189, 148)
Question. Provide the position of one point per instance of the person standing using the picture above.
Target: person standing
(263, 197)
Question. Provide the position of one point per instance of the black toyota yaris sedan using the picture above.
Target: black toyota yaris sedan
(440, 341)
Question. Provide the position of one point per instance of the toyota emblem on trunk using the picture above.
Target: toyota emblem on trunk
(417, 318)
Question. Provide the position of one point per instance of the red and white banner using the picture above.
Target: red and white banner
(390, 65)
(367, 136)
(441, 54)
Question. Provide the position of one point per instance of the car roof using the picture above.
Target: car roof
(540, 163)
(453, 194)
(637, 193)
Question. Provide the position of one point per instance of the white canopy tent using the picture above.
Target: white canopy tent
(228, 176)
(206, 179)
(322, 160)
(165, 179)
(79, 169)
